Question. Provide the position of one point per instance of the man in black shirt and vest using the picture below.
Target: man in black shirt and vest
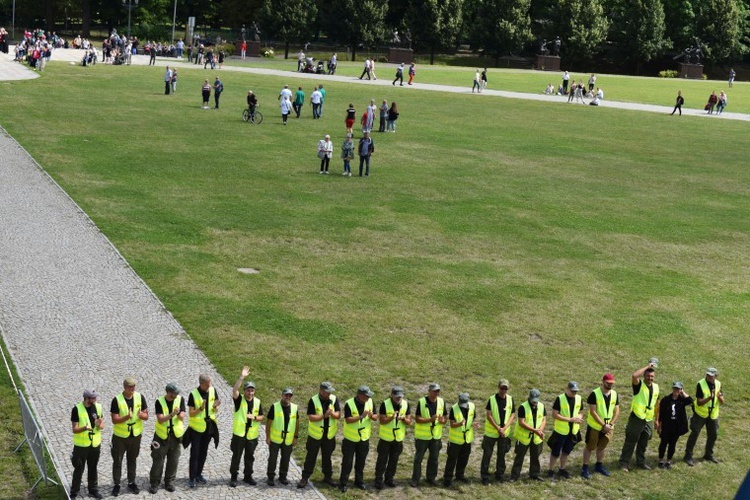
(709, 396)
(168, 432)
(128, 411)
(87, 423)
(644, 411)
(500, 414)
(323, 413)
(248, 415)
(282, 431)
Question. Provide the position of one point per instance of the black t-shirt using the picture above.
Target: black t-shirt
(286, 410)
(396, 408)
(91, 410)
(699, 392)
(351, 114)
(431, 407)
(500, 408)
(571, 404)
(115, 408)
(650, 389)
(464, 411)
(324, 404)
(191, 400)
(360, 408)
(522, 412)
(592, 399)
(170, 406)
(250, 404)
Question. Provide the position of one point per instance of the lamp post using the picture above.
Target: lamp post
(129, 4)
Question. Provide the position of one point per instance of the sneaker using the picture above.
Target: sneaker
(604, 472)
(349, 174)
(644, 467)
(667, 466)
(690, 462)
(585, 473)
(116, 491)
(661, 465)
(326, 172)
(169, 488)
(563, 474)
(270, 482)
(284, 481)
(550, 473)
(96, 494)
(249, 480)
(191, 483)
(711, 459)
(390, 483)
(202, 479)
(321, 172)
(153, 490)
(302, 483)
(134, 488)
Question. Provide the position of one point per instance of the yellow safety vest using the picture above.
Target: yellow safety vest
(280, 434)
(430, 430)
(489, 429)
(315, 429)
(710, 409)
(522, 435)
(198, 422)
(605, 412)
(136, 424)
(175, 423)
(562, 427)
(241, 426)
(642, 405)
(92, 438)
(393, 431)
(361, 429)
(465, 433)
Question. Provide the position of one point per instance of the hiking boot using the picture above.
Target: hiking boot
(233, 481)
(599, 467)
(690, 462)
(116, 491)
(585, 473)
(563, 474)
(302, 483)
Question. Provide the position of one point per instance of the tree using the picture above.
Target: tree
(290, 21)
(638, 30)
(583, 28)
(720, 26)
(679, 18)
(499, 27)
(435, 23)
(359, 23)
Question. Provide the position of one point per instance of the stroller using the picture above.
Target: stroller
(320, 68)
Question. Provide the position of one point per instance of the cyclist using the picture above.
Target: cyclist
(252, 102)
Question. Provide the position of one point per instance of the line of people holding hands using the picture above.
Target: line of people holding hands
(506, 425)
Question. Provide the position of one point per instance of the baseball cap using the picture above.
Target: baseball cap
(504, 383)
(463, 400)
(677, 385)
(129, 382)
(327, 386)
(434, 387)
(534, 395)
(711, 371)
(573, 386)
(90, 393)
(608, 377)
(363, 389)
(286, 391)
(397, 391)
(172, 387)
(249, 385)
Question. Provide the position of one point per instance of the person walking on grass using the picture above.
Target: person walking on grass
(529, 436)
(358, 417)
(430, 416)
(87, 424)
(673, 422)
(323, 413)
(167, 444)
(709, 397)
(394, 417)
(299, 101)
(500, 414)
(286, 108)
(604, 411)
(644, 415)
(567, 419)
(248, 417)
(128, 410)
(366, 150)
(282, 432)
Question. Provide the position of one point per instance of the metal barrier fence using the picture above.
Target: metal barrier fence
(33, 436)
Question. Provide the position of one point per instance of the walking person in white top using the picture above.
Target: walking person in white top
(286, 108)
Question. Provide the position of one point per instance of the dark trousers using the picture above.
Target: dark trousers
(365, 72)
(382, 123)
(297, 108)
(458, 459)
(120, 446)
(316, 110)
(313, 446)
(199, 442)
(166, 88)
(677, 108)
(82, 458)
(712, 431)
(217, 95)
(273, 457)
(364, 160)
(240, 445)
(388, 454)
(169, 448)
(488, 447)
(421, 446)
(637, 434)
(324, 163)
(399, 78)
(353, 453)
(535, 450)
(668, 444)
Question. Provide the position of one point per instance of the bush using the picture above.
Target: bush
(267, 52)
(669, 73)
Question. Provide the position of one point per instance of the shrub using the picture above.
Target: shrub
(668, 73)
(267, 52)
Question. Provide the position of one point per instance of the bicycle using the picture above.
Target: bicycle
(256, 118)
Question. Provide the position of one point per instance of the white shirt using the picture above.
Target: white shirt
(285, 93)
(286, 106)
(316, 97)
(326, 147)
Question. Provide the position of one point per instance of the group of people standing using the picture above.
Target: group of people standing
(506, 425)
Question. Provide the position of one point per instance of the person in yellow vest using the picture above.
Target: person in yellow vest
(529, 436)
(644, 412)
(430, 416)
(248, 415)
(567, 419)
(203, 403)
(282, 431)
(128, 412)
(358, 417)
(604, 411)
(709, 396)
(87, 423)
(500, 414)
(323, 413)
(460, 436)
(394, 417)
(167, 443)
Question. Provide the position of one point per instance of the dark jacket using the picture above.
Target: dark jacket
(679, 424)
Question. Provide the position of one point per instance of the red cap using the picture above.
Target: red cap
(608, 377)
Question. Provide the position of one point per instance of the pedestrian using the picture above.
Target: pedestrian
(167, 443)
(732, 74)
(128, 410)
(315, 99)
(285, 92)
(460, 437)
(430, 416)
(366, 149)
(243, 49)
(483, 76)
(218, 89)
(573, 87)
(152, 56)
(529, 436)
(323, 413)
(206, 91)
(286, 109)
(709, 397)
(392, 117)
(325, 152)
(248, 417)
(372, 69)
(477, 82)
(366, 70)
(500, 414)
(565, 80)
(299, 101)
(347, 154)
(222, 55)
(673, 422)
(678, 102)
(592, 82)
(393, 417)
(412, 72)
(358, 417)
(332, 63)
(351, 115)
(174, 80)
(399, 75)
(711, 104)
(567, 419)
(721, 103)
(383, 115)
(604, 411)
(282, 432)
(167, 80)
(322, 99)
(203, 404)
(644, 410)
(87, 439)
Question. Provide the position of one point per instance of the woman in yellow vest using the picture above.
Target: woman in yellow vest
(529, 435)
(567, 418)
(708, 398)
(460, 437)
(282, 431)
(87, 424)
(358, 417)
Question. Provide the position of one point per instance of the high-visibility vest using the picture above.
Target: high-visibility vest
(465, 433)
(198, 422)
(315, 429)
(174, 424)
(710, 409)
(642, 404)
(243, 427)
(93, 437)
(522, 435)
(489, 429)
(562, 427)
(279, 433)
(136, 424)
(362, 428)
(430, 430)
(605, 412)
(393, 430)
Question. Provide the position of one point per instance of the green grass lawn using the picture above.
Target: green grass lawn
(494, 238)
